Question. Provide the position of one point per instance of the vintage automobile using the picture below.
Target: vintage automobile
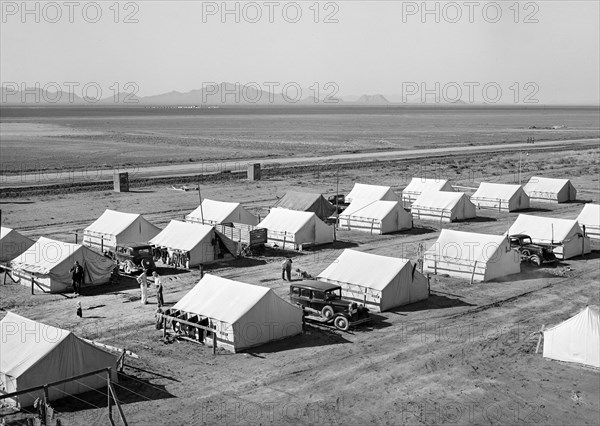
(535, 253)
(133, 258)
(322, 302)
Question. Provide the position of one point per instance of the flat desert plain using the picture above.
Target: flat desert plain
(464, 356)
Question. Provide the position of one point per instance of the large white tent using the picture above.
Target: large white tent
(211, 212)
(590, 218)
(379, 282)
(12, 244)
(113, 228)
(33, 354)
(48, 262)
(364, 192)
(294, 229)
(197, 242)
(576, 339)
(306, 202)
(564, 234)
(419, 185)
(443, 206)
(552, 190)
(244, 315)
(501, 197)
(480, 257)
(376, 217)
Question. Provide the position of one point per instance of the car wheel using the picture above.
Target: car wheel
(342, 323)
(327, 312)
(526, 253)
(536, 260)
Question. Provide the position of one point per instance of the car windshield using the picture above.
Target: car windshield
(334, 294)
(526, 240)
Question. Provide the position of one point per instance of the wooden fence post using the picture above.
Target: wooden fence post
(214, 341)
(473, 273)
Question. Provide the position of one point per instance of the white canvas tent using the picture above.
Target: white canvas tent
(477, 257)
(420, 185)
(211, 212)
(33, 354)
(552, 190)
(565, 234)
(197, 241)
(379, 282)
(590, 218)
(376, 217)
(576, 339)
(365, 192)
(443, 206)
(244, 315)
(12, 244)
(115, 227)
(48, 262)
(306, 202)
(501, 197)
(294, 229)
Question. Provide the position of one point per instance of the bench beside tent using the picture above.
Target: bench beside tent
(48, 262)
(375, 217)
(114, 228)
(12, 244)
(564, 234)
(419, 185)
(443, 206)
(550, 190)
(33, 354)
(590, 218)
(244, 315)
(212, 212)
(365, 192)
(500, 197)
(576, 339)
(476, 257)
(293, 229)
(378, 282)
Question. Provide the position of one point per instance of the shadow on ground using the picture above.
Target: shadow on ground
(436, 300)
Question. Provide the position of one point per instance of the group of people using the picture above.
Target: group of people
(142, 280)
(530, 139)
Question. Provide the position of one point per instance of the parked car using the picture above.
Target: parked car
(322, 302)
(537, 254)
(134, 258)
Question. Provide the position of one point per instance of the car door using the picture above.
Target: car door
(317, 300)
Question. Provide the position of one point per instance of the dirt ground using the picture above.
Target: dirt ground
(464, 356)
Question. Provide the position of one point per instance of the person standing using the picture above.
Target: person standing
(159, 289)
(76, 276)
(286, 269)
(143, 281)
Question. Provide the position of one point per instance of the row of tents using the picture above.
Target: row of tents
(243, 316)
(49, 261)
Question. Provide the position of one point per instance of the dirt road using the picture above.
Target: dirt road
(78, 176)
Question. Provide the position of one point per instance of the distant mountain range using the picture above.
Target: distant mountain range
(224, 94)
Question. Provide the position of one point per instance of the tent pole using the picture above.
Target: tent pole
(537, 348)
(200, 198)
(108, 395)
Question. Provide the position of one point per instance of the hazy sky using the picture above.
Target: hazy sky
(366, 47)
